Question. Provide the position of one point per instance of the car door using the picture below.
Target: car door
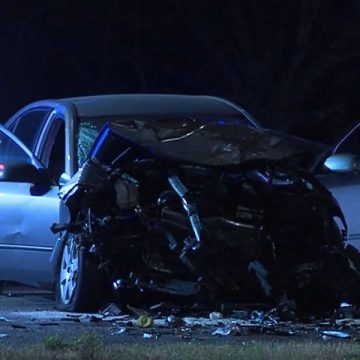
(344, 181)
(26, 213)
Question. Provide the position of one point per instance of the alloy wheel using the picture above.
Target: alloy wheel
(69, 269)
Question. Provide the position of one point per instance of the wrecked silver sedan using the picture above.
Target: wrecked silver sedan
(181, 196)
(205, 211)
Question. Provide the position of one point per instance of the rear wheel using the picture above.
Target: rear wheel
(79, 285)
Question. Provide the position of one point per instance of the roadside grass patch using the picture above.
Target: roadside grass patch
(90, 347)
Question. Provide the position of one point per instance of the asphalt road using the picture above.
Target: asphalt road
(28, 316)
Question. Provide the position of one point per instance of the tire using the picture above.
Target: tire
(79, 285)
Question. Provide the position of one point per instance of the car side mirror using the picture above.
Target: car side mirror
(342, 163)
(27, 173)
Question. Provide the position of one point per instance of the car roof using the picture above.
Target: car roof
(151, 104)
(148, 104)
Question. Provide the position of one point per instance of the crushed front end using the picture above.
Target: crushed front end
(258, 230)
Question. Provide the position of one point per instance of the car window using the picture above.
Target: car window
(11, 152)
(27, 126)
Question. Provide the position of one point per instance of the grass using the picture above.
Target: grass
(89, 347)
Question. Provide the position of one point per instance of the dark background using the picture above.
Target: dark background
(293, 64)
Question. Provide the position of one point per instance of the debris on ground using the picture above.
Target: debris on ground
(121, 330)
(115, 318)
(111, 310)
(195, 323)
(151, 335)
(326, 334)
(145, 321)
(240, 322)
(215, 315)
(86, 318)
(223, 331)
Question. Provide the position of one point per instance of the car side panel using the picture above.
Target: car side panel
(26, 241)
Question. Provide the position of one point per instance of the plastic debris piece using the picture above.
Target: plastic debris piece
(111, 310)
(121, 330)
(145, 321)
(269, 317)
(335, 334)
(215, 315)
(151, 336)
(260, 317)
(348, 322)
(174, 321)
(345, 304)
(3, 335)
(199, 321)
(116, 318)
(171, 318)
(87, 318)
(347, 310)
(160, 322)
(326, 338)
(156, 307)
(222, 331)
(257, 316)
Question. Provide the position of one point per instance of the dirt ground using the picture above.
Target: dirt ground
(28, 316)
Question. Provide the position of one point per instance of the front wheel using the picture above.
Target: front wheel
(79, 285)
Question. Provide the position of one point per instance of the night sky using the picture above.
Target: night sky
(293, 64)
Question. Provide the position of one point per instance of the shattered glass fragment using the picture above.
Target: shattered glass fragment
(215, 315)
(222, 331)
(154, 336)
(87, 133)
(120, 331)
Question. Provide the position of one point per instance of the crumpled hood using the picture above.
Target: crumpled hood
(209, 144)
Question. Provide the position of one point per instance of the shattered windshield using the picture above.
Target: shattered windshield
(89, 127)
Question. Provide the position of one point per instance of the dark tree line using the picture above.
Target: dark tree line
(293, 64)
